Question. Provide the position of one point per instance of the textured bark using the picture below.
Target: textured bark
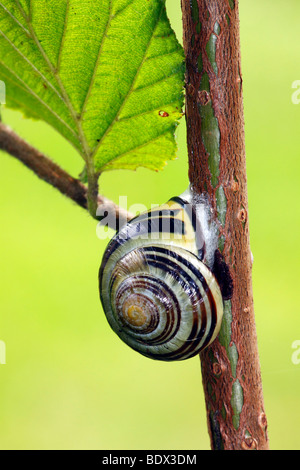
(216, 144)
(50, 172)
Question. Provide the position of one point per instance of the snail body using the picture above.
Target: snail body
(156, 291)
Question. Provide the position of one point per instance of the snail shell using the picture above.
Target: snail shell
(157, 293)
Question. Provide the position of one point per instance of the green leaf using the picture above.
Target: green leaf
(107, 74)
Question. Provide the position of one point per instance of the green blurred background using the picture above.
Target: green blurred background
(69, 382)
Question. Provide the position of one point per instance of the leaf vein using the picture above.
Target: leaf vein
(62, 42)
(164, 54)
(31, 64)
(32, 93)
(14, 19)
(138, 147)
(110, 17)
(161, 80)
(122, 9)
(67, 100)
(94, 151)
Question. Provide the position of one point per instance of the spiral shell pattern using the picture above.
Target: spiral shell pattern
(159, 297)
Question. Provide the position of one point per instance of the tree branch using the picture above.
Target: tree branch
(217, 166)
(50, 172)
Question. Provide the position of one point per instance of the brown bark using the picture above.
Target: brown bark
(216, 144)
(50, 172)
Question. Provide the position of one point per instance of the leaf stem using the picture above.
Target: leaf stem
(92, 192)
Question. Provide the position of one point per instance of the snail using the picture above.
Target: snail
(156, 284)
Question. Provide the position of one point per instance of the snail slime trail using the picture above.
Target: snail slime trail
(156, 280)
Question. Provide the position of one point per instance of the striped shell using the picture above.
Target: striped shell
(156, 292)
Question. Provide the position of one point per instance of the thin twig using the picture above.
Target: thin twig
(50, 172)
